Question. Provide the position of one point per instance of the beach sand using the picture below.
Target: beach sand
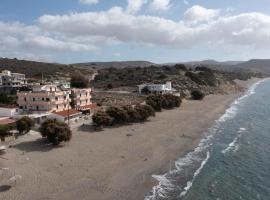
(113, 164)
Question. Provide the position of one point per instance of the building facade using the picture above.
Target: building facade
(49, 98)
(11, 82)
(46, 98)
(81, 98)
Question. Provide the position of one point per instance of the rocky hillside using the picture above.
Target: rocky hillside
(37, 69)
(115, 64)
(208, 80)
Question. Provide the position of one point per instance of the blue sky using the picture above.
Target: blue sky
(161, 31)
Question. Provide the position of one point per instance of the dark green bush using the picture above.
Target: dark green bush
(195, 77)
(155, 101)
(180, 67)
(133, 114)
(197, 95)
(24, 125)
(55, 131)
(4, 131)
(101, 118)
(167, 101)
(118, 114)
(79, 81)
(145, 111)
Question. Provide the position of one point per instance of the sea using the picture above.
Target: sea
(232, 162)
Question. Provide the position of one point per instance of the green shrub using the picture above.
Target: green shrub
(180, 67)
(144, 111)
(167, 101)
(4, 131)
(79, 81)
(118, 114)
(197, 95)
(155, 101)
(133, 114)
(101, 118)
(24, 125)
(195, 78)
(55, 131)
(7, 99)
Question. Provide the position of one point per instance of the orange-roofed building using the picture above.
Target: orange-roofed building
(66, 115)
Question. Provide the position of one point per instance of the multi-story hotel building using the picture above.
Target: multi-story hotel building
(44, 98)
(81, 98)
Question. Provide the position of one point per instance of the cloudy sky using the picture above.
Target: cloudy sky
(160, 31)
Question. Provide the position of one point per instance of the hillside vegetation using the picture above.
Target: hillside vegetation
(37, 69)
(208, 80)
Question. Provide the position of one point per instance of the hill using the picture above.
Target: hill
(37, 69)
(115, 64)
(213, 62)
(256, 65)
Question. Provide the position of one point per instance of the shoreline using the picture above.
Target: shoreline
(109, 164)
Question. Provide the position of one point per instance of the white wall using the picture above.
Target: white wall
(7, 112)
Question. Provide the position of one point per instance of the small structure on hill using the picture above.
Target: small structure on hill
(156, 88)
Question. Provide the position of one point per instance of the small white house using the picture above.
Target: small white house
(8, 111)
(157, 88)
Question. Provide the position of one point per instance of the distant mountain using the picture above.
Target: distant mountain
(213, 62)
(256, 65)
(116, 64)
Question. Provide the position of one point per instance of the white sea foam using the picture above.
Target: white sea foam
(234, 146)
(165, 184)
(241, 130)
(231, 146)
(190, 183)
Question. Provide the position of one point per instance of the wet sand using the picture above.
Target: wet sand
(113, 164)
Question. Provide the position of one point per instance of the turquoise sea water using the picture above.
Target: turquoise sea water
(232, 162)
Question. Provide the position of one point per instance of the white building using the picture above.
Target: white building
(8, 111)
(157, 88)
(11, 82)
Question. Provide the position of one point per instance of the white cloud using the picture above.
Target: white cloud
(198, 13)
(89, 2)
(17, 36)
(160, 4)
(135, 5)
(117, 25)
(89, 31)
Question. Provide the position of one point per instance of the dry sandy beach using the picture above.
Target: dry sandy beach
(114, 164)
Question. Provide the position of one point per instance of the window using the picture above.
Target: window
(42, 99)
(34, 99)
